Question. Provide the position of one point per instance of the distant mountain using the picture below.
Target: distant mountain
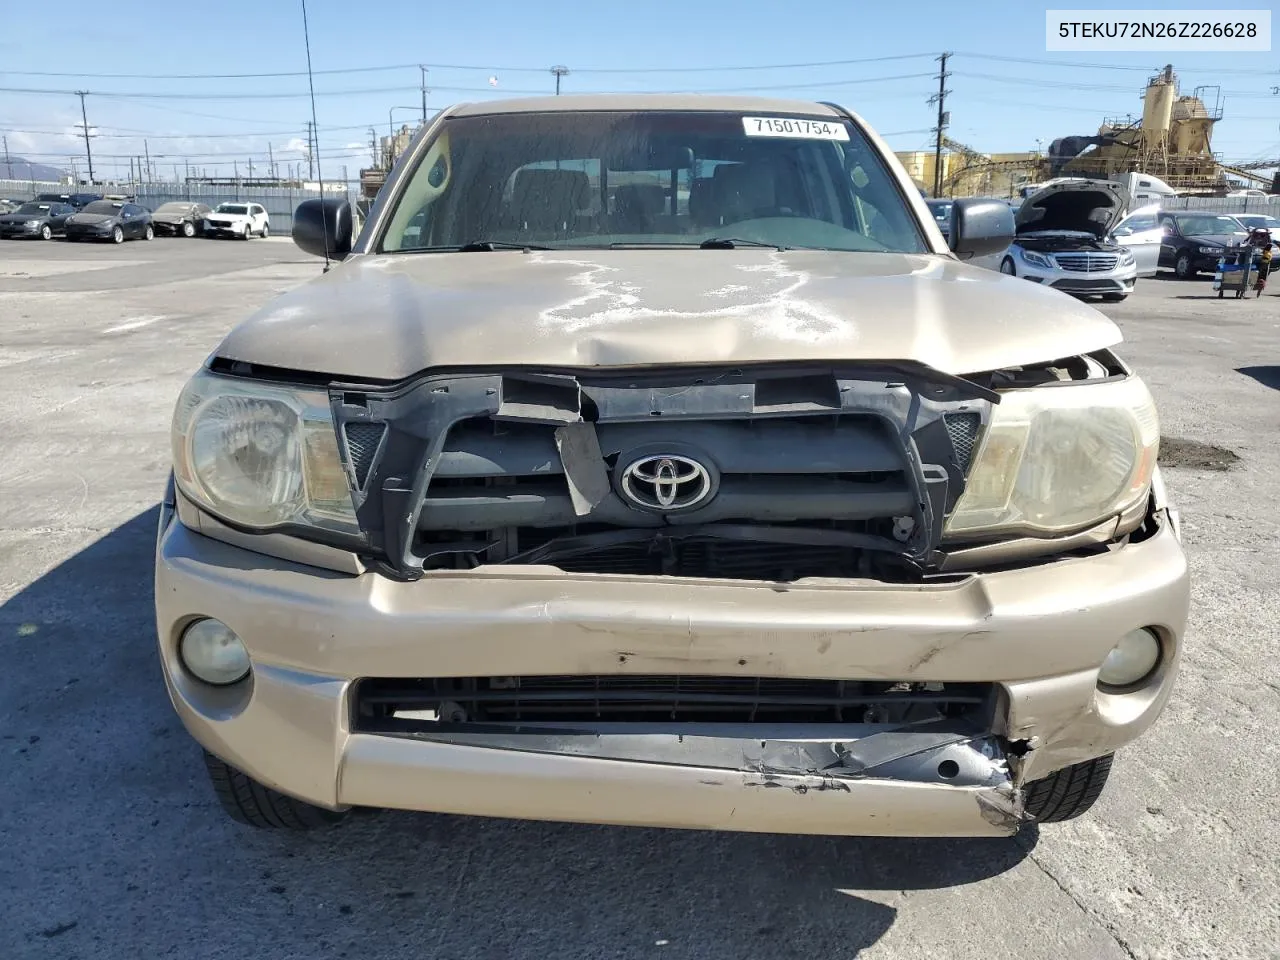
(23, 169)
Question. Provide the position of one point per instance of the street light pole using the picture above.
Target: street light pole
(83, 116)
(424, 92)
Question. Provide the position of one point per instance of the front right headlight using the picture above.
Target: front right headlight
(1037, 259)
(1060, 458)
(261, 455)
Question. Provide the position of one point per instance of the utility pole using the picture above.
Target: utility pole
(271, 161)
(559, 71)
(310, 153)
(373, 147)
(251, 168)
(944, 119)
(424, 92)
(8, 165)
(85, 127)
(146, 148)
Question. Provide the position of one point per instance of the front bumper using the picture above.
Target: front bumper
(1039, 632)
(91, 233)
(9, 232)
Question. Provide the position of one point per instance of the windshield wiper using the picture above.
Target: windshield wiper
(487, 246)
(729, 243)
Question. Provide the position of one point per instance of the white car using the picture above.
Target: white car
(1064, 240)
(235, 219)
(1142, 233)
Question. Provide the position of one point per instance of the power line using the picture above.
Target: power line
(1075, 64)
(458, 66)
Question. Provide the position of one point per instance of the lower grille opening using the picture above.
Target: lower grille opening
(402, 705)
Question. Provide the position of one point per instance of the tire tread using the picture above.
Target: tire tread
(1067, 793)
(249, 802)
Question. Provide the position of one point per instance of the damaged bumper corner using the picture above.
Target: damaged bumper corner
(927, 781)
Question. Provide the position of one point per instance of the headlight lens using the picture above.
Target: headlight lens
(1126, 257)
(32, 223)
(1060, 458)
(1131, 660)
(261, 455)
(1037, 259)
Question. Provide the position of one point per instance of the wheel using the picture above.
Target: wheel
(1114, 297)
(1182, 267)
(188, 229)
(248, 232)
(150, 233)
(1066, 794)
(1007, 267)
(117, 235)
(1219, 294)
(247, 801)
(266, 230)
(46, 232)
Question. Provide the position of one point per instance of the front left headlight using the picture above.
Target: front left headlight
(1126, 257)
(1037, 259)
(1060, 458)
(261, 455)
(32, 223)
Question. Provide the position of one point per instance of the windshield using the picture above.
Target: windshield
(594, 179)
(34, 208)
(173, 208)
(1207, 226)
(110, 208)
(238, 208)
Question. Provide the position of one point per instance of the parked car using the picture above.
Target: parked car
(1193, 241)
(77, 200)
(1141, 233)
(113, 220)
(698, 515)
(180, 218)
(1064, 240)
(40, 220)
(240, 220)
(1259, 221)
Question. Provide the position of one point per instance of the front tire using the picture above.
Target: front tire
(46, 232)
(188, 229)
(248, 232)
(1067, 793)
(117, 235)
(1183, 269)
(247, 801)
(150, 233)
(1007, 267)
(266, 230)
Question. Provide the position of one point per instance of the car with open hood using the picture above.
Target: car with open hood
(652, 459)
(180, 218)
(239, 219)
(1064, 240)
(1195, 240)
(113, 220)
(37, 220)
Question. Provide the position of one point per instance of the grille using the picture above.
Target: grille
(1087, 283)
(962, 428)
(362, 444)
(716, 558)
(1087, 262)
(650, 697)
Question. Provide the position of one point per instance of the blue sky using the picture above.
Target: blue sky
(996, 105)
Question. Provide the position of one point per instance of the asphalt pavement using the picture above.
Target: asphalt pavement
(114, 849)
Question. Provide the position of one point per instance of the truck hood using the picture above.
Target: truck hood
(390, 316)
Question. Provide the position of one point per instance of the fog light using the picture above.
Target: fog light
(213, 653)
(1131, 660)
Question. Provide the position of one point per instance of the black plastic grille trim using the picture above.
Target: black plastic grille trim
(362, 445)
(963, 428)
(639, 697)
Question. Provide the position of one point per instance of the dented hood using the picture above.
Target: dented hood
(389, 316)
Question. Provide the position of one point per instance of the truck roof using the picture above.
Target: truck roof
(640, 102)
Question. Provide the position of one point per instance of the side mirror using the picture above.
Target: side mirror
(980, 228)
(321, 224)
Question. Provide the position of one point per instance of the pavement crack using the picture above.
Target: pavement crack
(1084, 908)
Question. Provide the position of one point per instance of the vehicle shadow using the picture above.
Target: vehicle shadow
(116, 847)
(1268, 376)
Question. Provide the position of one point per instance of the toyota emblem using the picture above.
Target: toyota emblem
(666, 483)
